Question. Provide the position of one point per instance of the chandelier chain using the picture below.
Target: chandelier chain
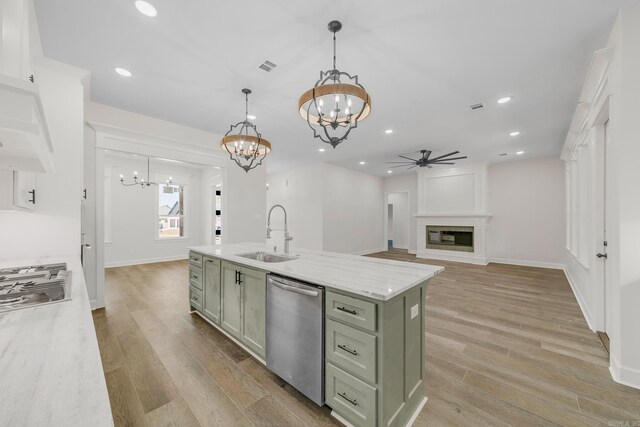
(334, 50)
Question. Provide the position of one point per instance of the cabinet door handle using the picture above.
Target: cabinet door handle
(347, 349)
(354, 402)
(33, 196)
(346, 310)
(239, 277)
(194, 298)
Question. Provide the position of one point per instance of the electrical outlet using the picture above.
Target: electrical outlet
(415, 310)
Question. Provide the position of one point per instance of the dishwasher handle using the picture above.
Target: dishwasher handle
(290, 288)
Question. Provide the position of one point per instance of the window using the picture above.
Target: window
(171, 211)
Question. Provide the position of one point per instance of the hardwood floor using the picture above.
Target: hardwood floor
(505, 345)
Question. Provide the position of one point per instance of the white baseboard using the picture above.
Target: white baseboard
(412, 251)
(370, 251)
(144, 261)
(583, 305)
(400, 246)
(623, 375)
(525, 263)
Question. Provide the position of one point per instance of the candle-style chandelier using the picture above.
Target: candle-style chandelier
(244, 143)
(336, 103)
(144, 183)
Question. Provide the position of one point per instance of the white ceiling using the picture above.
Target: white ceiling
(424, 62)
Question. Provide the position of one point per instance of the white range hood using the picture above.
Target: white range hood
(25, 143)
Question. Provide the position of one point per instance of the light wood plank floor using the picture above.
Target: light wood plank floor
(505, 345)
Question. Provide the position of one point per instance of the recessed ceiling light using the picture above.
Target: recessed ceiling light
(251, 117)
(322, 150)
(515, 133)
(363, 163)
(389, 171)
(123, 72)
(519, 153)
(504, 100)
(146, 8)
(388, 131)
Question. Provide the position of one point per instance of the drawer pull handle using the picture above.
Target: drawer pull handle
(346, 310)
(195, 277)
(195, 298)
(354, 402)
(194, 259)
(347, 349)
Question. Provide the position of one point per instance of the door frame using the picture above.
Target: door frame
(385, 221)
(600, 275)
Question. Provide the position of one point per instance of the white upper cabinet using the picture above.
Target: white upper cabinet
(25, 143)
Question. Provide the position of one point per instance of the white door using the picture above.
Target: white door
(602, 254)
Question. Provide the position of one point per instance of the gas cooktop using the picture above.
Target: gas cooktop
(23, 287)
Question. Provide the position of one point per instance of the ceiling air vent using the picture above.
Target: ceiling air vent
(477, 106)
(267, 66)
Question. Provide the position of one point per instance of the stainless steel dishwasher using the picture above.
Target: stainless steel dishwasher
(295, 334)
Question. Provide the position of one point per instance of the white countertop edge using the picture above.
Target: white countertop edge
(418, 272)
(50, 361)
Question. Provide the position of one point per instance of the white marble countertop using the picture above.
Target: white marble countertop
(50, 368)
(371, 277)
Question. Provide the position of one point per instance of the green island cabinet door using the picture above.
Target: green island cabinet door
(231, 289)
(253, 301)
(211, 306)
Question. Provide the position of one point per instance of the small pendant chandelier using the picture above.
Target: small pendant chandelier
(336, 103)
(144, 183)
(244, 143)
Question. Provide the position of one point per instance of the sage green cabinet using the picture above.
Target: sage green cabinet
(211, 304)
(253, 298)
(231, 290)
(243, 312)
(375, 357)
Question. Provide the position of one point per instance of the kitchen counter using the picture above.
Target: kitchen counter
(371, 277)
(50, 367)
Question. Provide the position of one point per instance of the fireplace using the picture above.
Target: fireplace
(449, 238)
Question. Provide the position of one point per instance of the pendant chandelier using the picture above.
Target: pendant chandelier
(336, 103)
(244, 143)
(144, 183)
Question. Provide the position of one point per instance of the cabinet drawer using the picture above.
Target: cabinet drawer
(195, 298)
(195, 277)
(195, 259)
(351, 349)
(352, 311)
(350, 397)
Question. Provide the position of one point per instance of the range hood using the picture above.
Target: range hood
(25, 143)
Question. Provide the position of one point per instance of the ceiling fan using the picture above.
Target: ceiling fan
(425, 160)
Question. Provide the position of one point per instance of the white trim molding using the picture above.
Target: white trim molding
(584, 307)
(623, 375)
(145, 261)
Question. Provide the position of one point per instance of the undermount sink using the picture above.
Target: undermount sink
(267, 257)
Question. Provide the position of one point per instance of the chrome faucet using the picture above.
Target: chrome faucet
(287, 236)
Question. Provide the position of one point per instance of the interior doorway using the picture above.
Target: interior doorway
(397, 220)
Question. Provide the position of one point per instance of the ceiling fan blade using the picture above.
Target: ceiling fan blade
(409, 158)
(426, 155)
(401, 162)
(414, 166)
(446, 160)
(445, 155)
(399, 166)
(441, 163)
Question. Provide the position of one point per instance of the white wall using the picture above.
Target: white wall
(245, 199)
(329, 208)
(55, 227)
(134, 214)
(352, 211)
(300, 192)
(526, 201)
(623, 213)
(400, 221)
(408, 183)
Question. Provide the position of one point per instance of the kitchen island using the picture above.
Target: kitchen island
(373, 314)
